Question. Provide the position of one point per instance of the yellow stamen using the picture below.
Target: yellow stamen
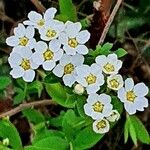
(130, 96)
(72, 42)
(51, 33)
(114, 83)
(91, 79)
(23, 41)
(109, 67)
(48, 55)
(25, 64)
(41, 22)
(101, 124)
(98, 107)
(68, 69)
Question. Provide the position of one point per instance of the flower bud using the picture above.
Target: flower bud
(79, 89)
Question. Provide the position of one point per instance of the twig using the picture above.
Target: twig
(39, 6)
(109, 22)
(26, 105)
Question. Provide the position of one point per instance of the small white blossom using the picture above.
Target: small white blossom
(133, 96)
(5, 141)
(115, 82)
(23, 37)
(66, 68)
(47, 55)
(98, 106)
(51, 30)
(90, 77)
(73, 39)
(37, 20)
(114, 116)
(101, 126)
(22, 65)
(79, 89)
(109, 64)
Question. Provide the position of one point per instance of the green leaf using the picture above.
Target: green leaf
(33, 115)
(4, 82)
(58, 94)
(105, 49)
(141, 132)
(86, 138)
(8, 130)
(49, 143)
(126, 131)
(35, 87)
(72, 124)
(68, 10)
(120, 52)
(20, 97)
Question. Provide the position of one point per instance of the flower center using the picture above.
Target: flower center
(91, 79)
(41, 22)
(68, 69)
(23, 41)
(25, 64)
(51, 33)
(130, 96)
(109, 67)
(114, 83)
(72, 42)
(98, 107)
(48, 55)
(101, 124)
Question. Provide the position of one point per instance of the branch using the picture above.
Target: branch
(109, 22)
(26, 105)
(39, 6)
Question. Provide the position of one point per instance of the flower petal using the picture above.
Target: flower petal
(12, 41)
(82, 49)
(141, 89)
(58, 70)
(41, 47)
(29, 75)
(83, 37)
(82, 81)
(129, 84)
(30, 32)
(37, 58)
(54, 45)
(69, 50)
(77, 60)
(101, 60)
(66, 59)
(130, 108)
(140, 103)
(49, 65)
(58, 55)
(122, 94)
(17, 72)
(50, 13)
(68, 80)
(92, 88)
(20, 30)
(34, 16)
(14, 59)
(63, 38)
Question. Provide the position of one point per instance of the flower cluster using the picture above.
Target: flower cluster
(61, 48)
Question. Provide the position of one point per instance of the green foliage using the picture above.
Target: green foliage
(58, 94)
(8, 130)
(67, 10)
(19, 97)
(86, 138)
(4, 82)
(120, 52)
(136, 130)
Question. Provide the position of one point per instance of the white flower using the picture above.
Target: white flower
(115, 82)
(79, 89)
(98, 106)
(47, 55)
(114, 116)
(66, 68)
(90, 77)
(109, 64)
(101, 126)
(37, 20)
(73, 39)
(23, 37)
(22, 65)
(51, 30)
(133, 96)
